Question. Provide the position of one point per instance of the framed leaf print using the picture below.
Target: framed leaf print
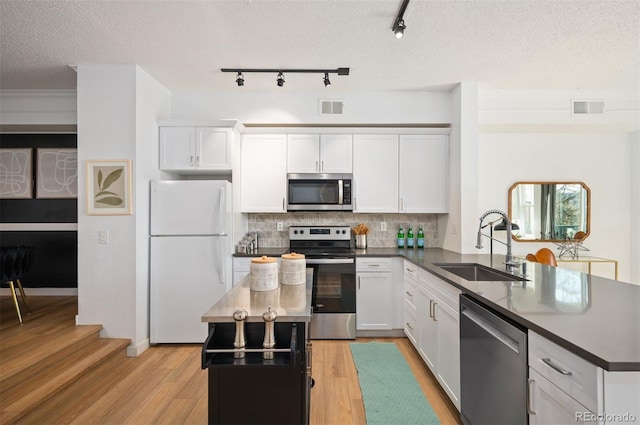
(109, 187)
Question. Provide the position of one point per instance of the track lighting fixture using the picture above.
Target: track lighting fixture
(280, 78)
(398, 25)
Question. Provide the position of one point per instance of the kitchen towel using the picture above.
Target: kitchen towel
(390, 391)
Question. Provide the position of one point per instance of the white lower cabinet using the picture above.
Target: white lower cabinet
(549, 405)
(437, 310)
(241, 268)
(567, 389)
(373, 294)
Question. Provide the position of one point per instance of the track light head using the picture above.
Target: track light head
(280, 79)
(326, 79)
(398, 30)
(240, 79)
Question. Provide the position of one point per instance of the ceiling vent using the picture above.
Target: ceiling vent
(587, 107)
(331, 107)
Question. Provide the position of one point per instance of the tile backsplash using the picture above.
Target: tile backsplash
(270, 237)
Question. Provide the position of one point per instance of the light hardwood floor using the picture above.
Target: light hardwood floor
(165, 385)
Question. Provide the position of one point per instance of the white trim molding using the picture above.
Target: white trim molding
(38, 107)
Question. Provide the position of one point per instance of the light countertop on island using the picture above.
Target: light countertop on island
(292, 303)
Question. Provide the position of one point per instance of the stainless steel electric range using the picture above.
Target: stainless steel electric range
(328, 252)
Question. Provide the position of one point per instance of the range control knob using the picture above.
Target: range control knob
(344, 232)
(337, 232)
(295, 232)
(301, 232)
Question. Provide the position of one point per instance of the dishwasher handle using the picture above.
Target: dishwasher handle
(491, 330)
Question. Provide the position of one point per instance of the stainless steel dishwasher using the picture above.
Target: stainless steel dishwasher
(493, 367)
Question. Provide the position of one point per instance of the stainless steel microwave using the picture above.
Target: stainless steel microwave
(319, 192)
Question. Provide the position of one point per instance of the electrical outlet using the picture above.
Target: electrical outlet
(383, 226)
(280, 226)
(103, 236)
(454, 228)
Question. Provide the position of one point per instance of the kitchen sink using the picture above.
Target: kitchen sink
(478, 272)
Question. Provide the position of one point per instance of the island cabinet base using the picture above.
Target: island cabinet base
(254, 389)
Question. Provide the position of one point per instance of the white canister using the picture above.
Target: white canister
(293, 269)
(264, 274)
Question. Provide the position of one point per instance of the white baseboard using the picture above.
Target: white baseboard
(43, 292)
(134, 350)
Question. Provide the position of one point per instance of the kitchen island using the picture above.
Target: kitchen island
(255, 384)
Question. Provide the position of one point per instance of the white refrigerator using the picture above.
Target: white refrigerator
(191, 248)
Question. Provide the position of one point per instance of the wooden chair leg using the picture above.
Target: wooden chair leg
(15, 300)
(24, 297)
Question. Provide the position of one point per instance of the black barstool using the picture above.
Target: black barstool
(15, 262)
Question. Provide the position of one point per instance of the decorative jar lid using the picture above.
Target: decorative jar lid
(263, 260)
(292, 256)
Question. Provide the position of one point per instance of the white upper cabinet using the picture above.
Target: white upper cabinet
(336, 153)
(205, 149)
(375, 173)
(264, 173)
(314, 153)
(424, 174)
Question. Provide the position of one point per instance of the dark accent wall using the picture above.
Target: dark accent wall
(55, 263)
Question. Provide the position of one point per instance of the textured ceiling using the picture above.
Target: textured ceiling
(556, 45)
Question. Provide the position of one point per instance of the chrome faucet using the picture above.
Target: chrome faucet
(509, 262)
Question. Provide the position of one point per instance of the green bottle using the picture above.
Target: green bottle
(401, 237)
(420, 237)
(410, 239)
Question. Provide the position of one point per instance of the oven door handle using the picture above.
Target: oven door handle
(313, 261)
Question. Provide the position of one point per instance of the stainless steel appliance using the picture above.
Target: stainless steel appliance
(313, 192)
(328, 252)
(493, 367)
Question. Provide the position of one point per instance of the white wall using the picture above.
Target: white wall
(634, 226)
(283, 107)
(116, 120)
(37, 107)
(600, 160)
(455, 230)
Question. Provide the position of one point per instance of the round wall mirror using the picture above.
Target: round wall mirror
(550, 211)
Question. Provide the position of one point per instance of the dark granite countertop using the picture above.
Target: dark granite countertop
(596, 318)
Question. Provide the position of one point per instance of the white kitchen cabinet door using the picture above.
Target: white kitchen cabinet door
(448, 350)
(549, 405)
(264, 173)
(374, 311)
(177, 148)
(303, 153)
(375, 173)
(195, 149)
(213, 148)
(427, 329)
(336, 153)
(423, 173)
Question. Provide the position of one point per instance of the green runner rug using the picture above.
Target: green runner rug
(390, 391)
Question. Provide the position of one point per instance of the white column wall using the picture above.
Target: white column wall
(634, 225)
(117, 109)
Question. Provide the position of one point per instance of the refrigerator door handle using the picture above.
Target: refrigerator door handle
(221, 263)
(221, 213)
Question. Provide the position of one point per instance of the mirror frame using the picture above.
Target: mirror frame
(513, 186)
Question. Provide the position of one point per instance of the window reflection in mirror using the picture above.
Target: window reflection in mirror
(549, 211)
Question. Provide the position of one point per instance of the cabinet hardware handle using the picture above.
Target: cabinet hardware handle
(555, 367)
(374, 265)
(409, 293)
(197, 160)
(358, 282)
(529, 402)
(317, 169)
(322, 166)
(409, 270)
(401, 204)
(435, 319)
(409, 326)
(282, 203)
(191, 160)
(431, 309)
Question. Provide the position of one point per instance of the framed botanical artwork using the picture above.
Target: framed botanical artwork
(109, 187)
(57, 173)
(16, 173)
